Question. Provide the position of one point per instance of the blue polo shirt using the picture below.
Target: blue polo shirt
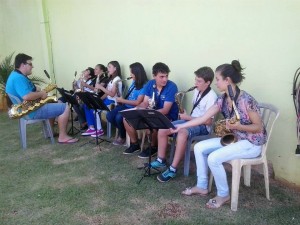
(167, 94)
(19, 85)
(134, 94)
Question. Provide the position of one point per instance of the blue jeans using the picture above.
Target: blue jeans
(193, 131)
(116, 119)
(211, 153)
(49, 110)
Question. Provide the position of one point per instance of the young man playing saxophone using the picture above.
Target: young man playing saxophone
(19, 85)
(204, 98)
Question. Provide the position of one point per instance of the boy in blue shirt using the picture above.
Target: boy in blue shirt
(164, 92)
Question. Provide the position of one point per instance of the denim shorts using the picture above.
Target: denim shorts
(193, 131)
(49, 110)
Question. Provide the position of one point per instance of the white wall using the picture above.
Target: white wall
(186, 35)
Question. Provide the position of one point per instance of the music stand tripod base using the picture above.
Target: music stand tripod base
(147, 166)
(147, 119)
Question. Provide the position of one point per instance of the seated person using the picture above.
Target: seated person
(102, 78)
(249, 131)
(204, 98)
(161, 92)
(19, 85)
(111, 92)
(83, 84)
(133, 98)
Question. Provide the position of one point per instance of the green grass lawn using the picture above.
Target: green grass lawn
(75, 184)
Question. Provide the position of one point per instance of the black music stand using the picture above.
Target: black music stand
(93, 101)
(72, 101)
(147, 119)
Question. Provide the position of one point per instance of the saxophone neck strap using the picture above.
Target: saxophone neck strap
(199, 99)
(234, 99)
(129, 91)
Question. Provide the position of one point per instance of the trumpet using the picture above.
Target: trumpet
(179, 98)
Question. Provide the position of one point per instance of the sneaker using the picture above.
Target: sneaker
(166, 176)
(88, 132)
(98, 133)
(132, 149)
(145, 153)
(157, 165)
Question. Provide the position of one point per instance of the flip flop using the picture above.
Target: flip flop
(216, 202)
(193, 191)
(69, 141)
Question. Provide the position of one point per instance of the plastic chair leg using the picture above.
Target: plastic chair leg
(187, 159)
(266, 176)
(22, 128)
(47, 126)
(235, 184)
(247, 174)
(108, 129)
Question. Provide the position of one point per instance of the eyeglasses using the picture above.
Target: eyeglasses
(30, 64)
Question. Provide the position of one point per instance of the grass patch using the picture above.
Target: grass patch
(74, 184)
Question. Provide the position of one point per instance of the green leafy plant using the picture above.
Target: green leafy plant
(6, 67)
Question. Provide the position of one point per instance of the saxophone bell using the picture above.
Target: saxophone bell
(227, 137)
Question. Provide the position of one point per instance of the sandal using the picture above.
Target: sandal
(195, 191)
(217, 202)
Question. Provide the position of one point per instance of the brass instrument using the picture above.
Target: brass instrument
(227, 137)
(179, 98)
(19, 110)
(151, 101)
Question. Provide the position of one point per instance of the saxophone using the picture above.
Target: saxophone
(179, 98)
(19, 110)
(227, 137)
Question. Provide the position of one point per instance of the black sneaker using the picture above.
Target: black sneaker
(145, 153)
(132, 149)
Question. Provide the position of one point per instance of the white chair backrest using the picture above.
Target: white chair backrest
(269, 114)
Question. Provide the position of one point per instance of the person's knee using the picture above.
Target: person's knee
(164, 132)
(119, 119)
(67, 110)
(183, 133)
(198, 148)
(213, 159)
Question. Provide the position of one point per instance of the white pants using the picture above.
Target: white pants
(211, 153)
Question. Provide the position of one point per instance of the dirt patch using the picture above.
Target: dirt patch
(91, 220)
(172, 210)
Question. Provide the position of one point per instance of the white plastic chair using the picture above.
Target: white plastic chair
(24, 121)
(269, 114)
(111, 106)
